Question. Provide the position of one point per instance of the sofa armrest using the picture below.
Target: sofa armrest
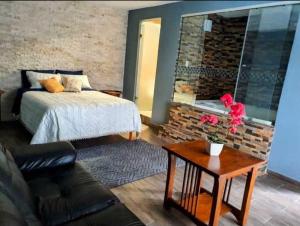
(44, 156)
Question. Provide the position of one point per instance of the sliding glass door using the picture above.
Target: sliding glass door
(265, 56)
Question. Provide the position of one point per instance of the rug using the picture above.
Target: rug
(121, 163)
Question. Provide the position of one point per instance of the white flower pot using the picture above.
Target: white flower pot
(214, 149)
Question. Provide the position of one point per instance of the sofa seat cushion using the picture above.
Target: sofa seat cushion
(68, 194)
(116, 215)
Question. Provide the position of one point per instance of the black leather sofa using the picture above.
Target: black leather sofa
(43, 185)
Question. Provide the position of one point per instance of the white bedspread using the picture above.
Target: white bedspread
(63, 116)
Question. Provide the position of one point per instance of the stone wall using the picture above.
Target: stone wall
(221, 57)
(191, 40)
(213, 56)
(208, 83)
(61, 35)
(220, 48)
(184, 125)
(223, 45)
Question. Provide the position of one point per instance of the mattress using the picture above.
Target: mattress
(64, 116)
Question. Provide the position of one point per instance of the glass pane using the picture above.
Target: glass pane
(269, 38)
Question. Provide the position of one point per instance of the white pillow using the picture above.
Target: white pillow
(35, 77)
(84, 79)
(72, 84)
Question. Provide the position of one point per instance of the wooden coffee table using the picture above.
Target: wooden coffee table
(202, 206)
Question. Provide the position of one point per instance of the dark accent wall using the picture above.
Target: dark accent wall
(223, 45)
(192, 38)
(222, 52)
(214, 56)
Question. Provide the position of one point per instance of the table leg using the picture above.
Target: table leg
(218, 191)
(170, 179)
(227, 191)
(251, 177)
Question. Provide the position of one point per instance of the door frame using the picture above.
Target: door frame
(137, 63)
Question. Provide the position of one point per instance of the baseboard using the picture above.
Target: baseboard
(282, 177)
(145, 120)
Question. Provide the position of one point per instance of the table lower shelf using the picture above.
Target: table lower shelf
(199, 206)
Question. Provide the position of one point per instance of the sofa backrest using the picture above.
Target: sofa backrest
(14, 187)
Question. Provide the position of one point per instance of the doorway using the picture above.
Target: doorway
(146, 65)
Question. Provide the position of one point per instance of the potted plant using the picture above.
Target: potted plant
(234, 119)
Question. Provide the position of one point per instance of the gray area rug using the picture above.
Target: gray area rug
(121, 163)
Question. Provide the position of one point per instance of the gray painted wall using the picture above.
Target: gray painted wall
(285, 153)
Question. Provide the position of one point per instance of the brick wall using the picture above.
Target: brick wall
(213, 56)
(64, 35)
(223, 45)
(191, 40)
(184, 125)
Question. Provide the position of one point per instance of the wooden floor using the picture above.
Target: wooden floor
(275, 201)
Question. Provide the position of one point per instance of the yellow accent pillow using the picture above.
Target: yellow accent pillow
(52, 85)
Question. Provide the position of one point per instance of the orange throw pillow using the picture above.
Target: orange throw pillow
(52, 85)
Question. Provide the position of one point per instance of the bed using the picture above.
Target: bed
(62, 116)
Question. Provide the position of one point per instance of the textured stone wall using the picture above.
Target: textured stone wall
(184, 125)
(223, 45)
(207, 83)
(61, 35)
(214, 56)
(191, 40)
(220, 48)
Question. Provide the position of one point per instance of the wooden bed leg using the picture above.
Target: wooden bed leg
(130, 135)
(137, 135)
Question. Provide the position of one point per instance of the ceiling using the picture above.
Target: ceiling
(130, 5)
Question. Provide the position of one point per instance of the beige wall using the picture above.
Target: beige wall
(147, 64)
(65, 35)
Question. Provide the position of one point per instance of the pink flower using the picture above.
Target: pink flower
(204, 118)
(233, 130)
(237, 110)
(212, 119)
(227, 100)
(236, 121)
